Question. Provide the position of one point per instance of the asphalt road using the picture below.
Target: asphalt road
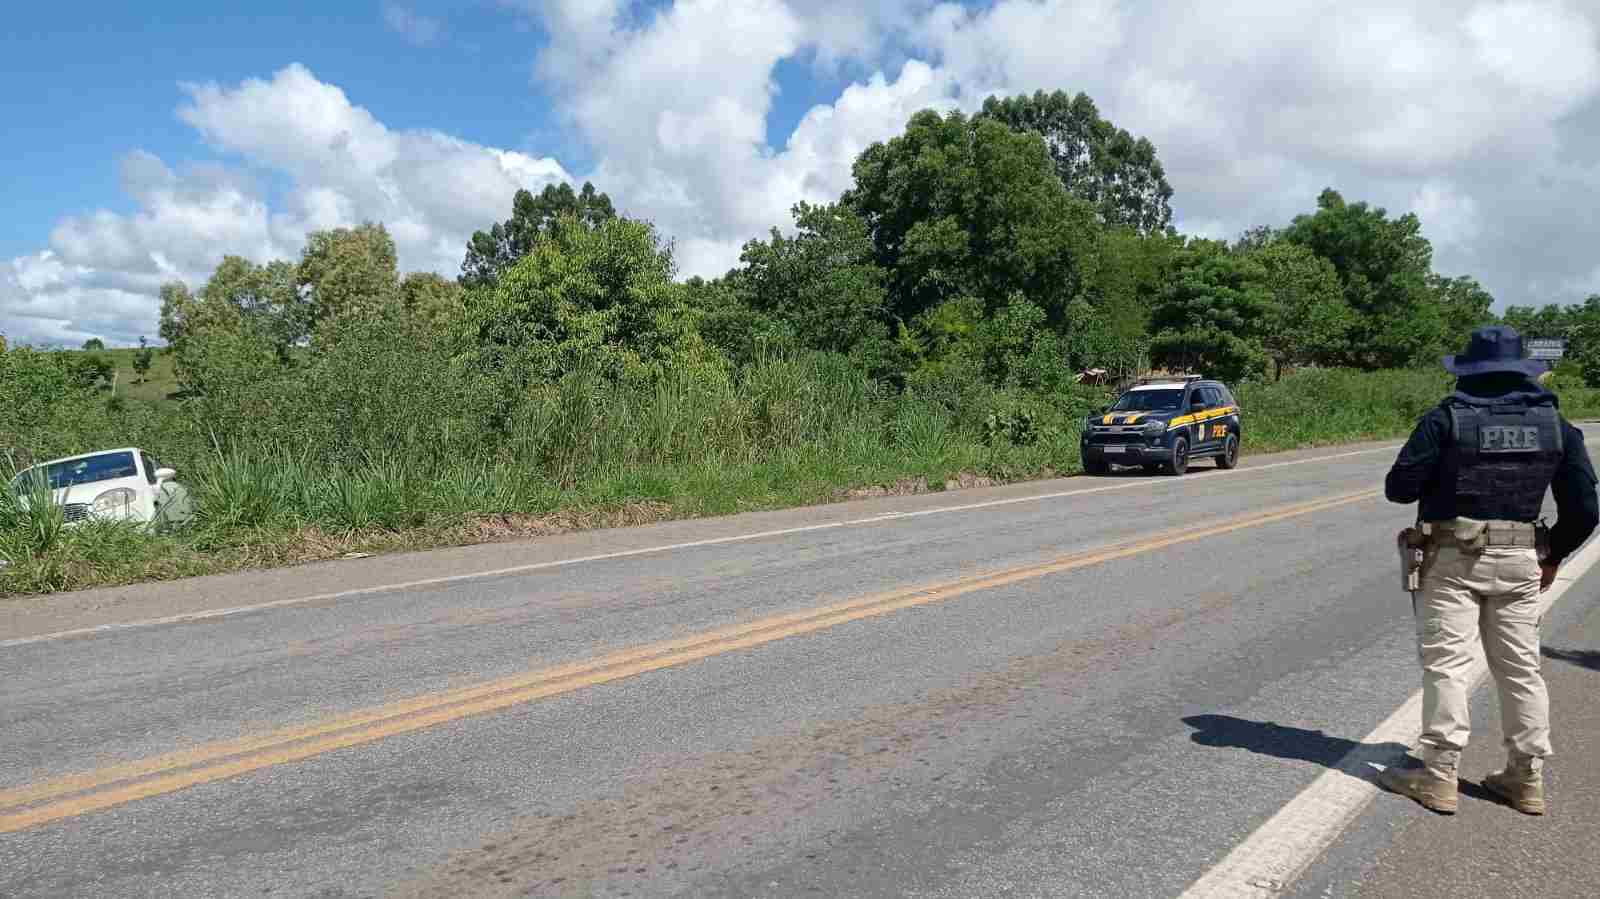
(1090, 687)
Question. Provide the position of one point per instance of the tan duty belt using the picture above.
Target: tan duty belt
(1474, 536)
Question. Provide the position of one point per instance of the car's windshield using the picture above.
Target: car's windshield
(1149, 400)
(88, 470)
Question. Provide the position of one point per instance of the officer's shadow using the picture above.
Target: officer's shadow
(1296, 744)
(1583, 658)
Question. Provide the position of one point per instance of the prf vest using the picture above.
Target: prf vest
(1505, 452)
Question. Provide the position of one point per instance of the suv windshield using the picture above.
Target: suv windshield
(88, 470)
(1149, 400)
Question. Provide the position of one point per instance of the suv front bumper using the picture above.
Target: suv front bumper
(1124, 448)
(1125, 453)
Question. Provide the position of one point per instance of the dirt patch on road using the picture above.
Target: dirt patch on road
(655, 837)
(490, 528)
(965, 480)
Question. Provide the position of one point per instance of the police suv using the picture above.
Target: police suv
(1162, 423)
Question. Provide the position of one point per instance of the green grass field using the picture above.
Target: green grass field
(158, 385)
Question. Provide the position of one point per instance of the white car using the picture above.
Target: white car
(123, 484)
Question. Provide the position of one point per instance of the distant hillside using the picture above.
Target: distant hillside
(162, 380)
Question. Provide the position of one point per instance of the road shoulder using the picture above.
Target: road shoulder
(1397, 849)
(1491, 850)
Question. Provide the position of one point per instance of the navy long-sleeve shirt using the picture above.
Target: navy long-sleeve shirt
(1419, 475)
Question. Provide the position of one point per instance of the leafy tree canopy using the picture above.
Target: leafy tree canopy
(1116, 172)
(1383, 266)
(491, 252)
(604, 294)
(968, 207)
(822, 284)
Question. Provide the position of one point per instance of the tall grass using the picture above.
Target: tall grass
(30, 520)
(1319, 407)
(782, 432)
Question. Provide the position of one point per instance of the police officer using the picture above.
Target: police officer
(1479, 463)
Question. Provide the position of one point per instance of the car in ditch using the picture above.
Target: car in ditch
(1161, 424)
(112, 485)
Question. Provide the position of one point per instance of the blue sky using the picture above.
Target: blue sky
(81, 92)
(141, 147)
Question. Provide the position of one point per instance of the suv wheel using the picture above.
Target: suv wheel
(1230, 452)
(1095, 466)
(1178, 462)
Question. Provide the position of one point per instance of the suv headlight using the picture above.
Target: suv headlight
(1155, 428)
(115, 502)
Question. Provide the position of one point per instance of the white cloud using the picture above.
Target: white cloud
(344, 166)
(47, 302)
(1451, 215)
(1025, 42)
(418, 29)
(1483, 116)
(1456, 109)
(678, 113)
(431, 189)
(1255, 105)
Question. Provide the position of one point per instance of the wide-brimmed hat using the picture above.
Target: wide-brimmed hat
(1492, 350)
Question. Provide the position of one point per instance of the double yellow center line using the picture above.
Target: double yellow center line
(67, 797)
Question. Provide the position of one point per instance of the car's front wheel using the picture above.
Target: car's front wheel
(1095, 466)
(1229, 457)
(1178, 461)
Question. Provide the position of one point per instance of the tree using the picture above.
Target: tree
(490, 253)
(603, 294)
(1017, 348)
(143, 359)
(85, 370)
(236, 329)
(726, 321)
(178, 309)
(962, 207)
(1109, 328)
(959, 340)
(1383, 267)
(1257, 238)
(435, 299)
(33, 389)
(822, 283)
(1210, 316)
(239, 294)
(1306, 319)
(346, 271)
(1579, 324)
(1552, 320)
(264, 298)
(94, 343)
(1096, 161)
(1463, 307)
(1584, 350)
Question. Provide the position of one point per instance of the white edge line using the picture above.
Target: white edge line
(208, 614)
(1272, 858)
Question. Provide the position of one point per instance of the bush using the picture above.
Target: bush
(1314, 407)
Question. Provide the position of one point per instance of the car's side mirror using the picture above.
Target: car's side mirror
(165, 474)
(1197, 405)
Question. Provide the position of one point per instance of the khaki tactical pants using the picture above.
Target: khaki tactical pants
(1492, 598)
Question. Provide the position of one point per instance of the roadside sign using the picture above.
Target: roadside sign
(1549, 348)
